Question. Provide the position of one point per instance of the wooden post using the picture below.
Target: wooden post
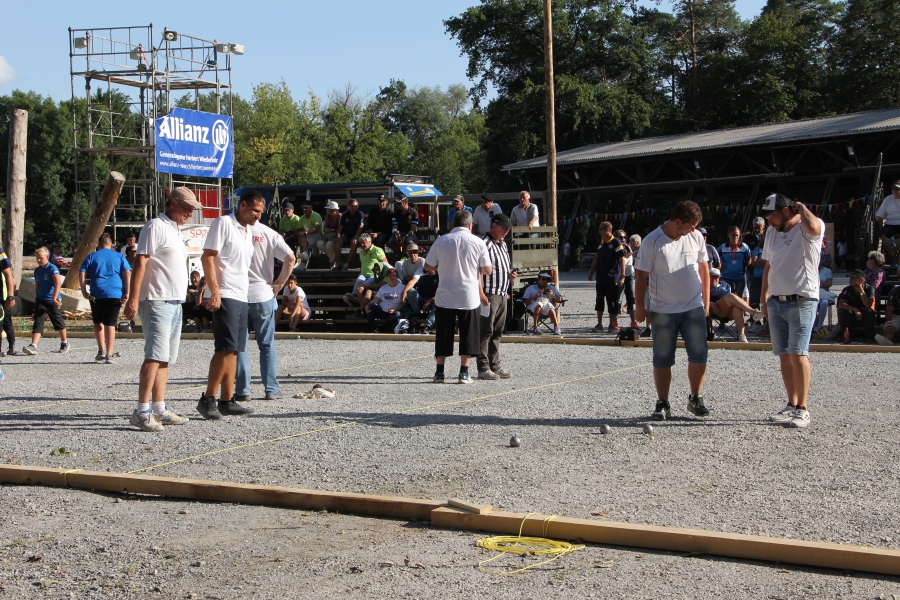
(95, 226)
(14, 232)
(551, 114)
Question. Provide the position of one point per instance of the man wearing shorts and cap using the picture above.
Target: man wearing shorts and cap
(226, 260)
(790, 296)
(888, 216)
(268, 247)
(158, 282)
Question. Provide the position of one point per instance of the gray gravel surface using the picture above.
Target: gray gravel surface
(391, 431)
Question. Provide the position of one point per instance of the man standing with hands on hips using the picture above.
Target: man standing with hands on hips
(226, 261)
(790, 296)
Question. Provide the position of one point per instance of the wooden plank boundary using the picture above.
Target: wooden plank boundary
(474, 517)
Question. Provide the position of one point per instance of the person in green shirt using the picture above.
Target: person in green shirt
(310, 230)
(289, 225)
(370, 258)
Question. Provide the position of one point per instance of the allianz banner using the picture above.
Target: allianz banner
(189, 142)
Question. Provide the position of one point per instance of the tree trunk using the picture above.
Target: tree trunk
(14, 232)
(95, 226)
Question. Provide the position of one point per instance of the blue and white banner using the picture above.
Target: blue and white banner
(189, 142)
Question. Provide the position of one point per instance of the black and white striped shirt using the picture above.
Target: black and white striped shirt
(497, 282)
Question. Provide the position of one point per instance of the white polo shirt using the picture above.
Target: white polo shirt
(268, 246)
(481, 219)
(674, 285)
(458, 256)
(165, 276)
(793, 261)
(889, 211)
(521, 217)
(234, 244)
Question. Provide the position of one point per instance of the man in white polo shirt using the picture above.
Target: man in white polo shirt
(268, 246)
(460, 258)
(158, 283)
(790, 296)
(226, 262)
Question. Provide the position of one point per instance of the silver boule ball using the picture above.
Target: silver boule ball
(648, 428)
(514, 441)
(605, 428)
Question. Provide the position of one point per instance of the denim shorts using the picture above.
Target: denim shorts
(790, 324)
(230, 326)
(666, 327)
(161, 322)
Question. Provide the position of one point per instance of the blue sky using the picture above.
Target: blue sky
(311, 44)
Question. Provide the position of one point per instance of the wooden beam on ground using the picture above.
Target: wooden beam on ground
(242, 493)
(735, 545)
(480, 509)
(801, 552)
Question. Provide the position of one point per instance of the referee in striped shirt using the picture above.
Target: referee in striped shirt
(494, 293)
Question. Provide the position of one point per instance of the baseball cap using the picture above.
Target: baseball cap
(501, 220)
(896, 185)
(484, 198)
(287, 206)
(714, 272)
(702, 231)
(332, 205)
(306, 203)
(775, 203)
(392, 270)
(459, 197)
(186, 196)
(546, 274)
(858, 273)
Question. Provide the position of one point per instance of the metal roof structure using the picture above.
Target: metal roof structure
(774, 133)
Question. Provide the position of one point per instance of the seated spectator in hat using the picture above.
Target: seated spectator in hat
(310, 231)
(371, 257)
(874, 272)
(712, 254)
(856, 309)
(542, 298)
(891, 319)
(294, 305)
(56, 257)
(289, 225)
(404, 225)
(420, 292)
(411, 265)
(726, 305)
(387, 302)
(826, 297)
(330, 243)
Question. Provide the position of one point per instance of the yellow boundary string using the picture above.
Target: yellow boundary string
(203, 385)
(64, 473)
(525, 546)
(361, 421)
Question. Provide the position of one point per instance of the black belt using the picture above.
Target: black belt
(789, 298)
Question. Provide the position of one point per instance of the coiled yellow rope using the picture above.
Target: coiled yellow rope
(525, 546)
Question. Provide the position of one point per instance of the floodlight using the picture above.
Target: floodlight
(575, 173)
(223, 48)
(137, 53)
(81, 42)
(696, 164)
(237, 49)
(850, 150)
(170, 36)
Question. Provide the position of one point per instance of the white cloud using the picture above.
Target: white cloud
(7, 73)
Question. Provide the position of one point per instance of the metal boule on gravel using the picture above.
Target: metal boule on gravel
(648, 428)
(605, 428)
(514, 441)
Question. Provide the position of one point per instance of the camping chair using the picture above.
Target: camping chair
(543, 320)
(722, 328)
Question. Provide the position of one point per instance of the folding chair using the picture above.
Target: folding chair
(543, 320)
(722, 327)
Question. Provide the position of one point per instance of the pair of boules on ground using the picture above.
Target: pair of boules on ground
(647, 428)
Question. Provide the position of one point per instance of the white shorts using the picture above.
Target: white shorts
(544, 307)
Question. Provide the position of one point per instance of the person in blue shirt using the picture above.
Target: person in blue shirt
(47, 302)
(110, 280)
(735, 257)
(726, 305)
(459, 203)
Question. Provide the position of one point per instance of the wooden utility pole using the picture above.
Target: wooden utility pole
(14, 232)
(95, 226)
(551, 114)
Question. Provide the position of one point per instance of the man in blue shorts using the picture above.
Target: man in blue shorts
(110, 279)
(674, 264)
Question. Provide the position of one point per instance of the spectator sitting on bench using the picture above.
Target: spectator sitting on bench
(202, 315)
(412, 264)
(370, 255)
(874, 272)
(891, 319)
(190, 299)
(310, 231)
(541, 298)
(294, 305)
(420, 291)
(404, 226)
(378, 222)
(725, 304)
(289, 226)
(387, 302)
(856, 309)
(350, 228)
(330, 243)
(826, 297)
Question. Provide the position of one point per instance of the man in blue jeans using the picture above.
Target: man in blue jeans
(674, 264)
(268, 246)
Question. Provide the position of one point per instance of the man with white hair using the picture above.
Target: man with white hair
(526, 213)
(888, 216)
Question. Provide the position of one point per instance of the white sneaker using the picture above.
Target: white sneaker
(30, 349)
(784, 415)
(304, 256)
(742, 339)
(169, 417)
(883, 340)
(145, 421)
(801, 418)
(757, 316)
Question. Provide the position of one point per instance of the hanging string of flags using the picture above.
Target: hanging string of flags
(818, 209)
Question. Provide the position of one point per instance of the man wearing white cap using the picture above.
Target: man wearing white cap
(790, 296)
(158, 282)
(330, 243)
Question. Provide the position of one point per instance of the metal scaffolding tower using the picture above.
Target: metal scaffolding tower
(128, 83)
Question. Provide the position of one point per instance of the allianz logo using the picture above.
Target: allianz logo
(174, 128)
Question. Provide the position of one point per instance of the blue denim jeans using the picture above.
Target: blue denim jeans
(412, 298)
(790, 324)
(667, 326)
(261, 317)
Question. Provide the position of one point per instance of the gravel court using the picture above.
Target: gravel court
(733, 472)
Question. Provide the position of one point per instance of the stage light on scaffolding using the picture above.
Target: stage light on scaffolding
(80, 42)
(223, 48)
(170, 36)
(237, 49)
(137, 53)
